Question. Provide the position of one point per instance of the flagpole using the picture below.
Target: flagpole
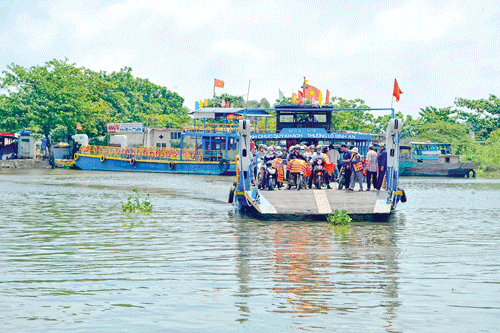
(248, 93)
(214, 87)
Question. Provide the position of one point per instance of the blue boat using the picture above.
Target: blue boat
(310, 124)
(213, 136)
(431, 159)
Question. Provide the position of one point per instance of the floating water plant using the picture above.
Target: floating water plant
(339, 218)
(135, 205)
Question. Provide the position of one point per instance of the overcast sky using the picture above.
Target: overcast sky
(437, 50)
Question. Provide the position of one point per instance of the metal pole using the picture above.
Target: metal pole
(248, 93)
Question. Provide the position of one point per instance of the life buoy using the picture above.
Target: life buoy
(132, 161)
(102, 158)
(171, 165)
(223, 165)
(100, 150)
(403, 195)
(94, 149)
(151, 154)
(192, 154)
(471, 171)
(158, 154)
(163, 153)
(86, 148)
(75, 157)
(106, 150)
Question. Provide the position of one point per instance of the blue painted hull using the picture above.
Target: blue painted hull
(93, 163)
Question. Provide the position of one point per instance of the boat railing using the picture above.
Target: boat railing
(155, 153)
(224, 128)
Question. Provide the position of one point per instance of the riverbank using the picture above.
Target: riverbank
(25, 164)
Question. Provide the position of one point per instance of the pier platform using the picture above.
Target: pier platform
(319, 201)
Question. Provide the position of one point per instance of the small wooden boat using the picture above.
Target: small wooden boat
(432, 159)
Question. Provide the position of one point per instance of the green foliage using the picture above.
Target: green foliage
(57, 95)
(431, 114)
(484, 115)
(339, 218)
(177, 144)
(135, 205)
(284, 101)
(97, 141)
(454, 133)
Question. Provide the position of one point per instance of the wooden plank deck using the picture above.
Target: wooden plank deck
(323, 201)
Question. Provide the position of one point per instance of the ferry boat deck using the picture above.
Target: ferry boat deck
(319, 201)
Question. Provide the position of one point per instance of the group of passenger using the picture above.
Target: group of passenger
(347, 161)
(374, 166)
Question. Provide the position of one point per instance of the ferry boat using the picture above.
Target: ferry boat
(297, 123)
(432, 159)
(208, 146)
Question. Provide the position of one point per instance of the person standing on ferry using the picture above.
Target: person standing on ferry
(382, 165)
(356, 170)
(346, 160)
(371, 169)
(308, 152)
(334, 156)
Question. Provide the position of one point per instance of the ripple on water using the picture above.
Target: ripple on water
(72, 260)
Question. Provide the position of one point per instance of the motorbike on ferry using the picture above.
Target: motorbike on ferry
(271, 175)
(341, 179)
(296, 179)
(296, 174)
(318, 173)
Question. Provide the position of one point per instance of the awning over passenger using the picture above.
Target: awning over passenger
(211, 113)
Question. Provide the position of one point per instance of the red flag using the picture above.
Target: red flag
(396, 91)
(79, 127)
(311, 92)
(301, 97)
(218, 83)
(327, 99)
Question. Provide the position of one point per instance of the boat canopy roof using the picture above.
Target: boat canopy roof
(212, 113)
(430, 143)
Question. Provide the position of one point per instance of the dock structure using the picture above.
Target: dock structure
(319, 201)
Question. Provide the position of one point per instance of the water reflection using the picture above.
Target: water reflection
(316, 269)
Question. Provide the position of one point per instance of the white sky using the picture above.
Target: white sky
(437, 50)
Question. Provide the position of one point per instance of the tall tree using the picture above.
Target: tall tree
(55, 94)
(484, 115)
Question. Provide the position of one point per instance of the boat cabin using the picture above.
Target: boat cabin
(8, 145)
(425, 151)
(215, 131)
(303, 116)
(309, 125)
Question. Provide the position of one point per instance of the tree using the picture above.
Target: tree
(485, 115)
(441, 131)
(57, 95)
(45, 97)
(430, 114)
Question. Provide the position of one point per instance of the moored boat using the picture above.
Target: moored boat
(208, 146)
(432, 159)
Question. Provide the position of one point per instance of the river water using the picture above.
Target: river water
(72, 261)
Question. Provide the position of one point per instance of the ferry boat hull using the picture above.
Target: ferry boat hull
(96, 163)
(287, 201)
